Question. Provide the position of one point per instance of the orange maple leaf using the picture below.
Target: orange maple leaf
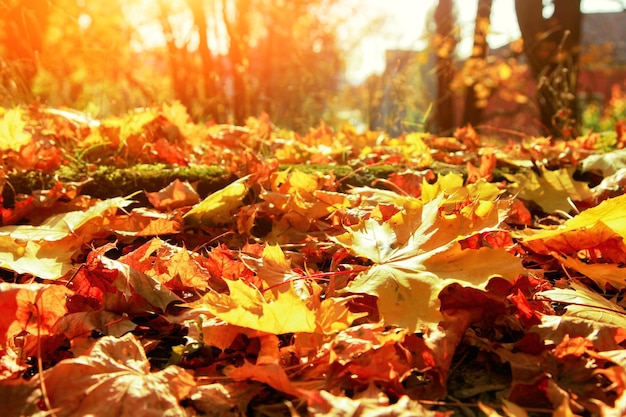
(177, 194)
(30, 308)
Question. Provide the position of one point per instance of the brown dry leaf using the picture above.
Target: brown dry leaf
(601, 274)
(324, 404)
(271, 374)
(19, 398)
(553, 329)
(132, 282)
(509, 409)
(312, 205)
(117, 286)
(267, 368)
(225, 399)
(114, 380)
(356, 341)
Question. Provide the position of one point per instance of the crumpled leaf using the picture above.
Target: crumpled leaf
(605, 163)
(601, 273)
(323, 403)
(114, 380)
(224, 399)
(177, 194)
(176, 267)
(273, 268)
(145, 222)
(219, 207)
(19, 398)
(553, 329)
(130, 282)
(416, 254)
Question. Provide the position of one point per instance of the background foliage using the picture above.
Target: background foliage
(226, 60)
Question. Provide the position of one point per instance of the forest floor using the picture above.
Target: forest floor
(184, 269)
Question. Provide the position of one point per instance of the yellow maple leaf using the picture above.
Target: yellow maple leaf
(415, 258)
(334, 316)
(552, 189)
(247, 307)
(451, 185)
(610, 212)
(219, 207)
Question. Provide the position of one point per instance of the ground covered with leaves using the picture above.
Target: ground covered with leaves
(479, 275)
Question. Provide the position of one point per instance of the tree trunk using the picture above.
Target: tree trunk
(211, 98)
(177, 63)
(552, 47)
(238, 32)
(475, 97)
(445, 43)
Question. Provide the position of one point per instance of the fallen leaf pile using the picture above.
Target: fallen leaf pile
(478, 277)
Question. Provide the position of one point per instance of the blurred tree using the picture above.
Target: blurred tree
(88, 62)
(552, 46)
(281, 58)
(208, 72)
(445, 44)
(22, 27)
(237, 28)
(296, 65)
(224, 60)
(477, 92)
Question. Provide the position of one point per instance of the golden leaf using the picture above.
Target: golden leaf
(219, 207)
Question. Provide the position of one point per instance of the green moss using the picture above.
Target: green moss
(107, 181)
